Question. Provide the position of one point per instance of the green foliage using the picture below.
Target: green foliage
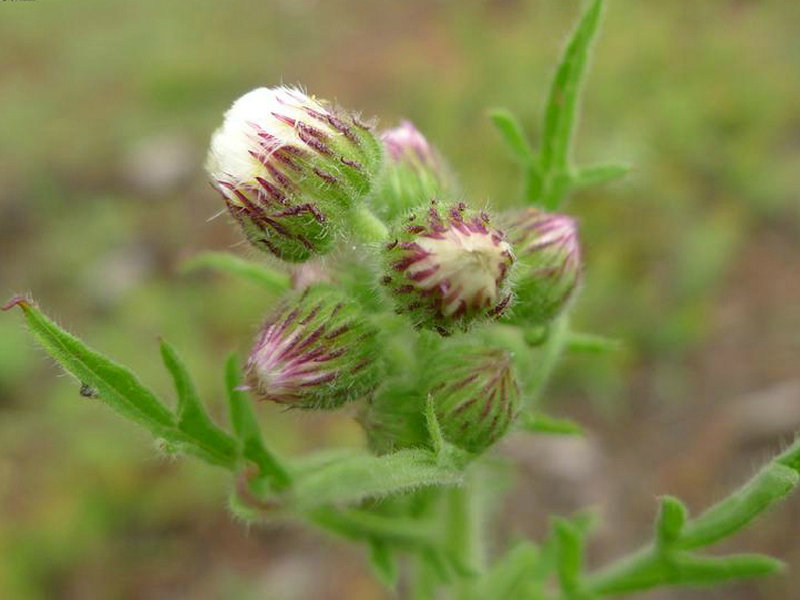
(393, 503)
(248, 433)
(270, 279)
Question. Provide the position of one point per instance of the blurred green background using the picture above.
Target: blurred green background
(693, 260)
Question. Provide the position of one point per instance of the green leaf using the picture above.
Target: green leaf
(598, 174)
(355, 478)
(248, 432)
(432, 424)
(569, 554)
(701, 570)
(595, 344)
(359, 524)
(381, 559)
(116, 386)
(771, 484)
(645, 570)
(671, 517)
(272, 280)
(509, 575)
(540, 423)
(511, 131)
(192, 417)
(562, 102)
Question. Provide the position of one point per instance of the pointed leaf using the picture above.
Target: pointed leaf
(113, 384)
(562, 103)
(382, 561)
(432, 423)
(511, 131)
(597, 174)
(248, 432)
(508, 576)
(587, 342)
(192, 417)
(353, 479)
(671, 517)
(272, 280)
(541, 423)
(569, 554)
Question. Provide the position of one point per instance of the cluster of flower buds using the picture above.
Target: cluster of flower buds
(549, 263)
(415, 173)
(315, 351)
(446, 266)
(475, 396)
(290, 167)
(291, 170)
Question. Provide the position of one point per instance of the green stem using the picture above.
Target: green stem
(652, 565)
(551, 352)
(367, 226)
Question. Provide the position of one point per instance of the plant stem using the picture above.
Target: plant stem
(551, 352)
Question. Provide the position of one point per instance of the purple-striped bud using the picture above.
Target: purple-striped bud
(475, 396)
(405, 143)
(316, 351)
(415, 173)
(447, 266)
(549, 263)
(290, 167)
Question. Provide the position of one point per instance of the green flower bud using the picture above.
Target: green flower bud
(475, 396)
(415, 173)
(549, 264)
(394, 418)
(447, 266)
(316, 351)
(290, 167)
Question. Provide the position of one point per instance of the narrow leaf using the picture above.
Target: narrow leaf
(598, 174)
(700, 570)
(113, 384)
(382, 561)
(541, 423)
(508, 576)
(595, 344)
(432, 423)
(274, 281)
(116, 386)
(771, 484)
(247, 431)
(562, 102)
(569, 554)
(192, 417)
(353, 479)
(671, 517)
(357, 524)
(511, 131)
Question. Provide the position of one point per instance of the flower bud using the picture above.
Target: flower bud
(549, 263)
(315, 351)
(289, 167)
(447, 266)
(415, 172)
(475, 396)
